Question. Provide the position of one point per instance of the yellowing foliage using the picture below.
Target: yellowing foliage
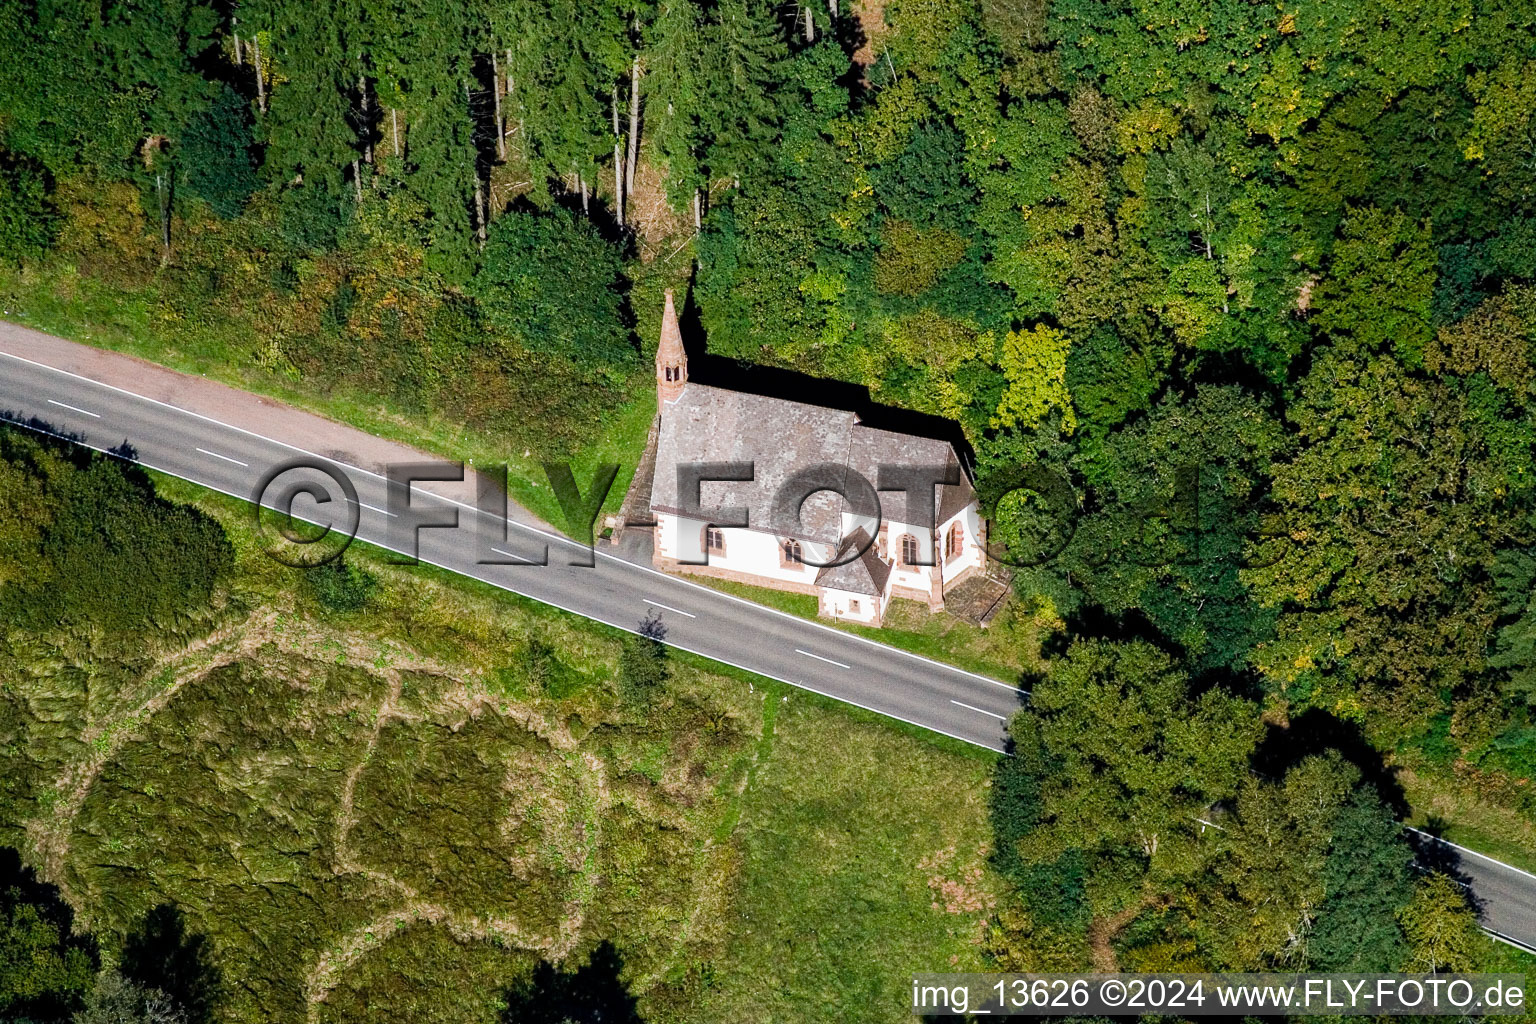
(911, 261)
(1506, 108)
(1035, 363)
(1147, 127)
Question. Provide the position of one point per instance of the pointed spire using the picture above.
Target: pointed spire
(671, 360)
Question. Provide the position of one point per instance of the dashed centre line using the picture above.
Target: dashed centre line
(979, 711)
(76, 408)
(818, 657)
(668, 607)
(522, 560)
(226, 458)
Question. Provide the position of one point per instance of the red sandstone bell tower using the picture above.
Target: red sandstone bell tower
(671, 360)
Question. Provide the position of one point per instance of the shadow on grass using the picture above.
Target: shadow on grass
(47, 965)
(1316, 732)
(592, 994)
(161, 954)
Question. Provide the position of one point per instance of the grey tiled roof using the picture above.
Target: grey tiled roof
(781, 438)
(865, 574)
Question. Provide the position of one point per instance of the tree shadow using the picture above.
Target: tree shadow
(592, 994)
(1316, 732)
(125, 451)
(38, 425)
(1431, 854)
(791, 385)
(69, 443)
(19, 884)
(22, 894)
(74, 448)
(161, 954)
(851, 35)
(1245, 683)
(1226, 368)
(1094, 621)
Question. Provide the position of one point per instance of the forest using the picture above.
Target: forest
(1235, 304)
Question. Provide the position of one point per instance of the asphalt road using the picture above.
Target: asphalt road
(233, 459)
(787, 648)
(1506, 895)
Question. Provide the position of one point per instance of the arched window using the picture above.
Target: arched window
(790, 553)
(714, 540)
(954, 544)
(908, 549)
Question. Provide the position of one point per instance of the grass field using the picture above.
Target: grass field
(394, 814)
(840, 889)
(387, 814)
(1008, 649)
(1440, 806)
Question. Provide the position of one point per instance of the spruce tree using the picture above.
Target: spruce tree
(1367, 880)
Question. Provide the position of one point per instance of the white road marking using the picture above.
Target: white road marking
(75, 408)
(555, 537)
(993, 714)
(818, 657)
(373, 508)
(1463, 849)
(521, 559)
(1508, 940)
(669, 608)
(226, 458)
(800, 683)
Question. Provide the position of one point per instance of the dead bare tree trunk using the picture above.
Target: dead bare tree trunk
(261, 82)
(162, 191)
(482, 213)
(394, 126)
(833, 5)
(480, 210)
(362, 92)
(634, 122)
(581, 183)
(501, 130)
(357, 179)
(810, 23)
(512, 89)
(618, 157)
(698, 209)
(511, 85)
(234, 28)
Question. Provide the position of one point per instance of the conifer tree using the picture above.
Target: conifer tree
(738, 103)
(1366, 883)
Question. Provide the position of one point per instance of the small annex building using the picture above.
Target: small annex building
(854, 559)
